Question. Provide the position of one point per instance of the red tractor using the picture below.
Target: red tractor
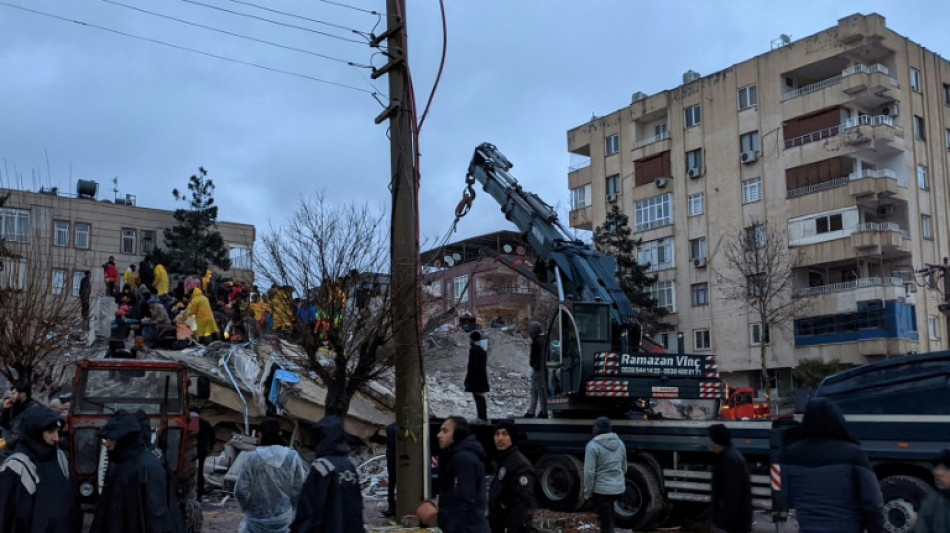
(742, 404)
(161, 390)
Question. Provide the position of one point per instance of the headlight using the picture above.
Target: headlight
(86, 489)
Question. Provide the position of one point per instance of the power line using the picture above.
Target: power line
(294, 15)
(311, 30)
(186, 49)
(238, 35)
(353, 8)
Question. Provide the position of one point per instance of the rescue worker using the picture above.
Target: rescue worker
(111, 275)
(269, 483)
(131, 277)
(605, 469)
(539, 386)
(511, 500)
(85, 290)
(135, 496)
(462, 498)
(36, 494)
(14, 409)
(934, 515)
(206, 281)
(331, 500)
(162, 283)
(476, 378)
(731, 505)
(200, 308)
(147, 273)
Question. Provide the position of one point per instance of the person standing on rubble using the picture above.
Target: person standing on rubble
(111, 274)
(206, 440)
(147, 273)
(539, 390)
(200, 308)
(85, 289)
(162, 283)
(131, 277)
(269, 483)
(476, 379)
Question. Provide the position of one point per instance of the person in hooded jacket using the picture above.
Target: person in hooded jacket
(15, 409)
(147, 273)
(269, 483)
(511, 500)
(200, 307)
(331, 500)
(36, 494)
(829, 480)
(539, 387)
(605, 470)
(162, 282)
(476, 378)
(731, 502)
(934, 515)
(462, 501)
(135, 496)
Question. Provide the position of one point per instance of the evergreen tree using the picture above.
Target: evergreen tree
(613, 239)
(194, 244)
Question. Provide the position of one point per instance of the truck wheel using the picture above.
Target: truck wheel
(641, 503)
(560, 477)
(187, 487)
(903, 497)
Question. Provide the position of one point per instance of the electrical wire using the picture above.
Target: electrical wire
(187, 49)
(294, 26)
(352, 7)
(438, 76)
(238, 35)
(294, 15)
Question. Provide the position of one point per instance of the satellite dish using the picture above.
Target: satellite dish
(449, 260)
(786, 38)
(507, 248)
(456, 256)
(438, 263)
(519, 250)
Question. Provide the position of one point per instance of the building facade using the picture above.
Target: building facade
(839, 139)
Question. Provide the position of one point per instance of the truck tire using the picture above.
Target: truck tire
(187, 487)
(903, 497)
(559, 479)
(640, 505)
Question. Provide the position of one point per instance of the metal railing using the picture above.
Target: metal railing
(867, 120)
(853, 69)
(578, 165)
(851, 285)
(812, 137)
(801, 91)
(880, 173)
(818, 187)
(881, 226)
(650, 140)
(863, 120)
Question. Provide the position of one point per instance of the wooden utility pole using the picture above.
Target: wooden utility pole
(412, 464)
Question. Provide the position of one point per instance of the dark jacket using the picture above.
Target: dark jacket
(511, 500)
(12, 420)
(476, 379)
(535, 359)
(830, 481)
(135, 496)
(146, 274)
(331, 501)
(934, 515)
(48, 502)
(731, 508)
(462, 499)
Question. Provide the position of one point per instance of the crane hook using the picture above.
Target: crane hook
(465, 204)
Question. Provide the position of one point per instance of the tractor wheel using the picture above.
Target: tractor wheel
(187, 486)
(559, 479)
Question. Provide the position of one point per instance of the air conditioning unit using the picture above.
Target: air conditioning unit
(749, 157)
(694, 172)
(611, 197)
(885, 210)
(661, 182)
(699, 262)
(892, 110)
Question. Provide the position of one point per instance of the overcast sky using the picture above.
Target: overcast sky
(79, 102)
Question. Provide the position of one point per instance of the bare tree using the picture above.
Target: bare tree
(759, 271)
(335, 257)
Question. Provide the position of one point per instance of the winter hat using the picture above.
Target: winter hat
(944, 458)
(720, 435)
(534, 329)
(510, 427)
(270, 434)
(475, 336)
(602, 425)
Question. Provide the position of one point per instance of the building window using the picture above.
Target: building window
(240, 257)
(664, 294)
(923, 182)
(655, 212)
(148, 241)
(697, 204)
(612, 144)
(755, 236)
(915, 83)
(658, 254)
(59, 282)
(747, 97)
(827, 223)
(13, 274)
(692, 117)
(77, 280)
(919, 129)
(926, 227)
(701, 339)
(697, 248)
(659, 130)
(946, 93)
(758, 335)
(751, 190)
(60, 233)
(461, 289)
(749, 142)
(613, 184)
(81, 238)
(933, 327)
(694, 159)
(128, 241)
(756, 285)
(948, 139)
(15, 224)
(700, 292)
(579, 198)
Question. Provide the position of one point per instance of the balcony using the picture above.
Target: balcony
(846, 286)
(890, 320)
(651, 146)
(818, 187)
(876, 183)
(878, 135)
(579, 176)
(880, 238)
(581, 218)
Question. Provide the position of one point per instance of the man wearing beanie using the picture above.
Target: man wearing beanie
(476, 379)
(269, 483)
(731, 505)
(605, 468)
(934, 515)
(511, 501)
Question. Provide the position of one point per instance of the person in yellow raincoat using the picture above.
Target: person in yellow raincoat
(131, 277)
(162, 284)
(206, 281)
(282, 306)
(201, 309)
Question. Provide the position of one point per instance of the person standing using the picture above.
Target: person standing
(539, 387)
(205, 447)
(269, 483)
(162, 283)
(511, 500)
(934, 515)
(731, 505)
(36, 493)
(392, 431)
(111, 275)
(829, 480)
(135, 496)
(131, 277)
(200, 307)
(85, 288)
(462, 501)
(147, 273)
(476, 378)
(14, 411)
(605, 469)
(331, 500)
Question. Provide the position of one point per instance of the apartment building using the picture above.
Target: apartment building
(59, 236)
(841, 139)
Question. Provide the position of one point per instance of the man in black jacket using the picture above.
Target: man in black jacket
(476, 379)
(511, 500)
(461, 479)
(331, 501)
(731, 508)
(539, 391)
(14, 411)
(147, 273)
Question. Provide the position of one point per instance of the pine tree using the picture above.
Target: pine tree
(194, 244)
(613, 238)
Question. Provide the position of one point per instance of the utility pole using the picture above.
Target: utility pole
(412, 465)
